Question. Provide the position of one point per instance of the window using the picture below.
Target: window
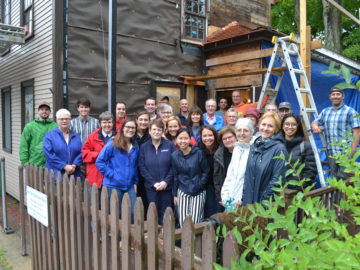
(6, 118)
(27, 17)
(194, 19)
(5, 11)
(27, 102)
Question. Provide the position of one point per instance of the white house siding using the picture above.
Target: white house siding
(33, 60)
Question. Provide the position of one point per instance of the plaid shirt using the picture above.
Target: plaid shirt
(336, 124)
(84, 127)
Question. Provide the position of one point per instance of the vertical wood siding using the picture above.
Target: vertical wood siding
(32, 60)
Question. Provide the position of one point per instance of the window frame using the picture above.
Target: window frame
(23, 12)
(24, 85)
(184, 13)
(4, 91)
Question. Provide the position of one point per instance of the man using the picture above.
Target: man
(254, 115)
(120, 114)
(271, 108)
(210, 118)
(150, 107)
(231, 117)
(242, 107)
(184, 111)
(284, 108)
(84, 124)
(223, 105)
(335, 122)
(32, 138)
(163, 101)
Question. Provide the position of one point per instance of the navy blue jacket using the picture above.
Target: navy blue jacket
(190, 171)
(155, 165)
(262, 171)
(58, 153)
(120, 168)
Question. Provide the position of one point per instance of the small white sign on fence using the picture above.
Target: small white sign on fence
(37, 205)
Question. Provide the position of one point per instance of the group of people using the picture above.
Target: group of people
(199, 163)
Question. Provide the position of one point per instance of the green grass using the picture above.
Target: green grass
(4, 264)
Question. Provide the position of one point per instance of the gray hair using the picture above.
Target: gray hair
(106, 116)
(232, 110)
(166, 107)
(61, 112)
(210, 99)
(245, 122)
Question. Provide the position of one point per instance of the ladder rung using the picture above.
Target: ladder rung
(309, 110)
(300, 71)
(292, 52)
(304, 90)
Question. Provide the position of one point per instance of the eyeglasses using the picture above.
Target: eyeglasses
(232, 116)
(290, 125)
(227, 138)
(243, 131)
(133, 128)
(63, 119)
(165, 112)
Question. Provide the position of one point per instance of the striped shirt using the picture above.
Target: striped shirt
(84, 127)
(337, 124)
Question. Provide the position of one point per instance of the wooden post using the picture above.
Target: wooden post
(139, 235)
(60, 225)
(208, 247)
(187, 244)
(96, 256)
(152, 244)
(230, 250)
(114, 224)
(169, 239)
(105, 245)
(87, 226)
(54, 223)
(125, 232)
(22, 212)
(79, 223)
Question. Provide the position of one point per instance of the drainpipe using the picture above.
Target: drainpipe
(3, 196)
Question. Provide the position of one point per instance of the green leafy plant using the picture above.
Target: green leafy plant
(317, 241)
(343, 72)
(4, 264)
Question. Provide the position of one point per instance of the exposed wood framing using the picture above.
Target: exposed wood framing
(344, 11)
(244, 72)
(197, 83)
(315, 44)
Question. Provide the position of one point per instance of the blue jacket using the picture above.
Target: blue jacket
(58, 153)
(190, 171)
(118, 167)
(155, 165)
(183, 119)
(219, 122)
(262, 170)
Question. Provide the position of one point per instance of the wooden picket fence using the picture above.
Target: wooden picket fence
(80, 236)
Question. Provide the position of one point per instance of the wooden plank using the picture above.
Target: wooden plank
(230, 250)
(79, 224)
(187, 244)
(87, 226)
(60, 219)
(244, 72)
(197, 83)
(344, 11)
(72, 223)
(22, 208)
(45, 248)
(114, 223)
(50, 254)
(125, 232)
(54, 223)
(169, 239)
(152, 234)
(105, 245)
(37, 225)
(32, 223)
(66, 221)
(139, 235)
(209, 247)
(96, 256)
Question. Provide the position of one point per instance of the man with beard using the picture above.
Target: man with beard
(32, 138)
(335, 122)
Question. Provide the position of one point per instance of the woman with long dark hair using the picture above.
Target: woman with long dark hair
(300, 149)
(195, 122)
(209, 144)
(118, 162)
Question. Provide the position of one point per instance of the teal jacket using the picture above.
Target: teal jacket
(32, 139)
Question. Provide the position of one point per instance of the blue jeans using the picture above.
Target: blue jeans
(132, 194)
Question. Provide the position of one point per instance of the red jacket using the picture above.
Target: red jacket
(119, 124)
(90, 151)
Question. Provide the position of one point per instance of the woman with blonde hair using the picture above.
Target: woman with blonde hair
(263, 171)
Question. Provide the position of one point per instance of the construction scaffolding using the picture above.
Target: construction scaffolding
(10, 35)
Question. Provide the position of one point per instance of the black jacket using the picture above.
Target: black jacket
(262, 171)
(305, 156)
(219, 171)
(190, 171)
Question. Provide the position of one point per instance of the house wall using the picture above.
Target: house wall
(32, 60)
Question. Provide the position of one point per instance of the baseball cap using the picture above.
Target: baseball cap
(284, 105)
(253, 111)
(44, 103)
(335, 89)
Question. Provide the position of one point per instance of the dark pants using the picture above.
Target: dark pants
(212, 206)
(162, 199)
(337, 170)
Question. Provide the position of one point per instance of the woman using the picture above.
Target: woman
(142, 124)
(190, 170)
(155, 168)
(301, 150)
(118, 161)
(173, 124)
(262, 170)
(120, 114)
(195, 122)
(93, 146)
(209, 144)
(62, 147)
(232, 189)
(165, 112)
(222, 158)
(231, 117)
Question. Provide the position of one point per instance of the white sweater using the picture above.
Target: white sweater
(234, 181)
